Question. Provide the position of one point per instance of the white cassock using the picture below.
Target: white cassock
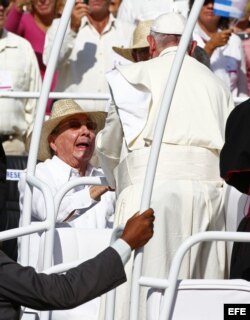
(188, 191)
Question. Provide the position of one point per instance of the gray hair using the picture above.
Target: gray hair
(163, 39)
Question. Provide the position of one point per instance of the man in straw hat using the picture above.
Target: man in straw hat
(140, 47)
(187, 194)
(66, 147)
(24, 286)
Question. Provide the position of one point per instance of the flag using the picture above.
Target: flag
(230, 8)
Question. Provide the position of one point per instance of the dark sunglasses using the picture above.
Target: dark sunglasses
(4, 3)
(75, 125)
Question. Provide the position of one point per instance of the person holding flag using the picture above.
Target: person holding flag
(212, 32)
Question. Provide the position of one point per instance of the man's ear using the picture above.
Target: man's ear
(152, 46)
(192, 46)
(51, 142)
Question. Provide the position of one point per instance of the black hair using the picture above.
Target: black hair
(223, 22)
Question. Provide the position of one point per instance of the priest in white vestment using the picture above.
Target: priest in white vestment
(188, 191)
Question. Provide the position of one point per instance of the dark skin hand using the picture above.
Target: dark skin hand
(139, 229)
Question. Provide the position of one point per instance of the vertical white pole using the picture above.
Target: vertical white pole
(39, 122)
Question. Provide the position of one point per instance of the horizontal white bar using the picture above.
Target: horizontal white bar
(54, 95)
(21, 231)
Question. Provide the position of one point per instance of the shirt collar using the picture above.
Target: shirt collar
(62, 167)
(68, 171)
(111, 22)
(8, 40)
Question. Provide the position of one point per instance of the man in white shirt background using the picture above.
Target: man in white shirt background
(86, 53)
(19, 71)
(227, 60)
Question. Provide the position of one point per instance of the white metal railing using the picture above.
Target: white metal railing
(48, 199)
(51, 206)
(32, 159)
(25, 231)
(170, 293)
(75, 95)
(170, 284)
(40, 227)
(49, 239)
(55, 95)
(21, 231)
(52, 203)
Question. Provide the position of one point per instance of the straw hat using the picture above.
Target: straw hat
(139, 40)
(61, 110)
(169, 23)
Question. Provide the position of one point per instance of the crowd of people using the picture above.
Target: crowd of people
(126, 49)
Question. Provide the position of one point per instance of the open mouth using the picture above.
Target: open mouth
(83, 145)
